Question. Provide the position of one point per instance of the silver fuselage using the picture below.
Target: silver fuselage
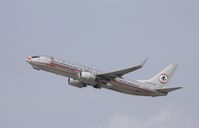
(72, 70)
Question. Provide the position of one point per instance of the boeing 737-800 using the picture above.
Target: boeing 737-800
(82, 76)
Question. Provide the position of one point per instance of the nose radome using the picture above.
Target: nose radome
(28, 59)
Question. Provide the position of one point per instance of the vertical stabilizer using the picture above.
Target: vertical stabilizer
(164, 76)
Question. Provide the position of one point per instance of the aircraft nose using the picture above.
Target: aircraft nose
(28, 59)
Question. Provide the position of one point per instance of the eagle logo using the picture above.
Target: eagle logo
(163, 78)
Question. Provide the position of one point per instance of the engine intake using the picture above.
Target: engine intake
(87, 76)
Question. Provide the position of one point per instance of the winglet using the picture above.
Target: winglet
(143, 63)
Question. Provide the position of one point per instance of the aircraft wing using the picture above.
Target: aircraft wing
(120, 73)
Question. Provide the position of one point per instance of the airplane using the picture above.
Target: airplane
(82, 76)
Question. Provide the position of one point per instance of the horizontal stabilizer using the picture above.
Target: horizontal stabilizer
(167, 90)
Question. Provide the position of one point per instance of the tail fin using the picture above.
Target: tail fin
(162, 78)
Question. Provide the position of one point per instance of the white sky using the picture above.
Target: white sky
(106, 34)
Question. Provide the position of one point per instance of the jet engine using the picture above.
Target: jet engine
(76, 83)
(87, 76)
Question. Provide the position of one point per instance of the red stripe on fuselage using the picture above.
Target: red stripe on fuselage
(55, 64)
(127, 85)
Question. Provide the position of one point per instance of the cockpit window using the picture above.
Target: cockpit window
(35, 57)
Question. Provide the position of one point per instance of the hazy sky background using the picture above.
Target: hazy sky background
(106, 34)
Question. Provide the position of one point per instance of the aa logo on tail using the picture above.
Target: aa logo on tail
(163, 78)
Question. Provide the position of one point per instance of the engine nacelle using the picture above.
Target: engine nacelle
(87, 76)
(76, 83)
(109, 85)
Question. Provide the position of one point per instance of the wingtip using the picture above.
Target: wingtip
(143, 63)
